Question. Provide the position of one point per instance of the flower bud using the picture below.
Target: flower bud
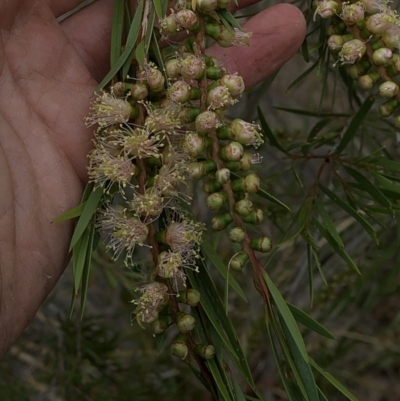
(194, 144)
(220, 98)
(139, 91)
(185, 322)
(215, 73)
(244, 207)
(359, 69)
(205, 351)
(382, 56)
(337, 28)
(189, 297)
(160, 325)
(352, 13)
(251, 184)
(327, 8)
(168, 26)
(238, 261)
(188, 19)
(216, 200)
(198, 170)
(234, 83)
(245, 133)
(388, 89)
(188, 114)
(262, 244)
(237, 234)
(155, 79)
(372, 6)
(378, 23)
(352, 51)
(335, 43)
(173, 68)
(206, 6)
(244, 164)
(211, 186)
(179, 92)
(223, 176)
(391, 37)
(180, 349)
(207, 121)
(386, 109)
(255, 217)
(232, 152)
(193, 67)
(366, 82)
(221, 221)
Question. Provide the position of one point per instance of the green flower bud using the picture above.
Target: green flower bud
(206, 6)
(244, 207)
(139, 91)
(244, 164)
(220, 98)
(255, 217)
(371, 6)
(194, 144)
(245, 133)
(386, 109)
(352, 13)
(221, 221)
(327, 8)
(168, 26)
(185, 322)
(223, 176)
(366, 82)
(352, 51)
(335, 43)
(382, 56)
(188, 114)
(234, 83)
(188, 20)
(189, 297)
(396, 62)
(197, 170)
(207, 121)
(216, 200)
(237, 234)
(173, 68)
(155, 79)
(211, 186)
(251, 184)
(359, 69)
(179, 92)
(388, 89)
(336, 28)
(232, 152)
(160, 325)
(378, 23)
(120, 89)
(179, 349)
(205, 351)
(215, 73)
(238, 261)
(391, 37)
(262, 244)
(193, 67)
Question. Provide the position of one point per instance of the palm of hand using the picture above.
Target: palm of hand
(43, 144)
(45, 86)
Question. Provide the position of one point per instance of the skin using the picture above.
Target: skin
(48, 72)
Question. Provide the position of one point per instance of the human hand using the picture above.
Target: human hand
(48, 72)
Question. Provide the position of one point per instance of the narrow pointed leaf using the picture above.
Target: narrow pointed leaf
(264, 194)
(355, 124)
(302, 76)
(71, 213)
(116, 30)
(311, 113)
(268, 132)
(80, 253)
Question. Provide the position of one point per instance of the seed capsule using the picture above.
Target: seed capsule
(262, 244)
(388, 89)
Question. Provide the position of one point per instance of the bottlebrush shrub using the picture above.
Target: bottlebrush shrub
(162, 132)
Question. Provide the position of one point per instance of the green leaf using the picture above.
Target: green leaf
(327, 222)
(79, 260)
(116, 30)
(304, 50)
(303, 367)
(149, 30)
(227, 16)
(314, 132)
(351, 211)
(309, 322)
(214, 258)
(264, 194)
(331, 241)
(355, 124)
(217, 377)
(239, 395)
(311, 113)
(129, 46)
(333, 381)
(88, 211)
(160, 7)
(286, 316)
(302, 76)
(71, 213)
(369, 187)
(268, 132)
(387, 183)
(388, 164)
(140, 54)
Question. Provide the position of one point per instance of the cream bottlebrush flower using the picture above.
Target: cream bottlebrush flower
(241, 38)
(123, 233)
(184, 236)
(106, 169)
(154, 295)
(107, 110)
(150, 204)
(135, 142)
(169, 266)
(162, 120)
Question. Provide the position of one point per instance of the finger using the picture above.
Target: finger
(277, 35)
